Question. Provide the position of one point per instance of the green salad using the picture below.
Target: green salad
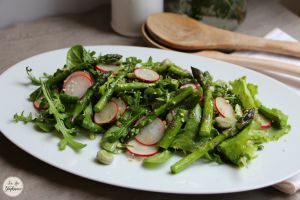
(153, 110)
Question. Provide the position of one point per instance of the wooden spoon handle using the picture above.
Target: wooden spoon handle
(246, 42)
(252, 63)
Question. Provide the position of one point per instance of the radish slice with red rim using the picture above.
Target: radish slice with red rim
(224, 108)
(195, 87)
(152, 133)
(265, 123)
(107, 68)
(77, 84)
(121, 106)
(146, 75)
(108, 113)
(138, 149)
(82, 73)
(37, 103)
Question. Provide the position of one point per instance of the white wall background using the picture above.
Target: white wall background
(12, 11)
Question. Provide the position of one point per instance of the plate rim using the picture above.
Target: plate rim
(141, 188)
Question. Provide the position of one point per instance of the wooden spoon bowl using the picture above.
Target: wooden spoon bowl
(150, 42)
(256, 64)
(180, 32)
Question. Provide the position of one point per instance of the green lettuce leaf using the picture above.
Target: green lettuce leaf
(241, 149)
(245, 92)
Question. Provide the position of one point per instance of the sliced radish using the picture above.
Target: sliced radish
(146, 75)
(77, 83)
(223, 107)
(107, 68)
(265, 123)
(82, 73)
(195, 87)
(108, 113)
(138, 149)
(152, 133)
(121, 106)
(36, 103)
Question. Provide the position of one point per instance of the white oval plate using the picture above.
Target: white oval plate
(278, 160)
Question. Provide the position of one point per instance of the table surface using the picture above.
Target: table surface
(42, 181)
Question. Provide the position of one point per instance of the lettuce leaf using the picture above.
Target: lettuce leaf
(241, 149)
(246, 92)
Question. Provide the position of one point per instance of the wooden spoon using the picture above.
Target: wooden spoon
(183, 33)
(252, 63)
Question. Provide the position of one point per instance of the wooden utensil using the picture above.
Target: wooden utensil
(183, 33)
(252, 63)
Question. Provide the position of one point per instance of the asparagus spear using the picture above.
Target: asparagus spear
(211, 144)
(109, 59)
(153, 92)
(133, 86)
(194, 119)
(170, 104)
(173, 129)
(167, 65)
(162, 110)
(179, 71)
(163, 66)
(185, 140)
(208, 112)
(205, 80)
(88, 123)
(278, 118)
(122, 127)
(108, 88)
(168, 83)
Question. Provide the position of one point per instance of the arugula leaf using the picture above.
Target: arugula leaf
(41, 121)
(55, 108)
(22, 118)
(34, 80)
(150, 63)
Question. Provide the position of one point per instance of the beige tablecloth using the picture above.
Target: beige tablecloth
(42, 181)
